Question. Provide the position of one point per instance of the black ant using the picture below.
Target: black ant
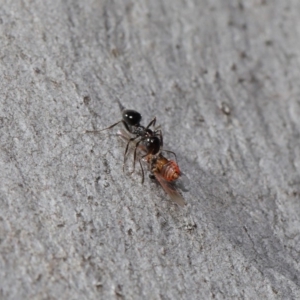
(151, 140)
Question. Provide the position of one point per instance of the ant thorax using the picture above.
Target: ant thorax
(138, 130)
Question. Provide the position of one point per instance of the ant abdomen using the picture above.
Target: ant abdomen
(131, 117)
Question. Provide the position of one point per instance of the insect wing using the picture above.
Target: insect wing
(170, 189)
(183, 182)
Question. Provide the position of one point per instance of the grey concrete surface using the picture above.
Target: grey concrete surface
(222, 78)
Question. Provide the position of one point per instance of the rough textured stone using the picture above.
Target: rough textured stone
(222, 77)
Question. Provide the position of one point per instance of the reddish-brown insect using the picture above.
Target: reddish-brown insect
(166, 171)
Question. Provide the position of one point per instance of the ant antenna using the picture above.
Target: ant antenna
(120, 105)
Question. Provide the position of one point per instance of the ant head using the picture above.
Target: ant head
(152, 144)
(131, 117)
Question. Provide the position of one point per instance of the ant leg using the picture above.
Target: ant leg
(161, 137)
(152, 123)
(111, 126)
(142, 167)
(172, 153)
(134, 156)
(130, 140)
(120, 105)
(142, 170)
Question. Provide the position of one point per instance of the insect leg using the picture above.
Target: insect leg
(111, 126)
(160, 137)
(142, 167)
(130, 140)
(152, 123)
(134, 156)
(172, 153)
(142, 170)
(120, 105)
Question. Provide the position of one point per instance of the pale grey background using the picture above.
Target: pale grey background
(223, 79)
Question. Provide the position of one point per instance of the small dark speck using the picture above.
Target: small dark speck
(177, 46)
(98, 178)
(253, 79)
(294, 193)
(241, 80)
(39, 277)
(129, 231)
(1, 21)
(91, 151)
(177, 87)
(37, 71)
(61, 225)
(244, 26)
(233, 67)
(96, 204)
(118, 291)
(263, 2)
(269, 43)
(217, 75)
(152, 93)
(243, 55)
(241, 6)
(115, 52)
(106, 184)
(86, 100)
(190, 226)
(99, 285)
(90, 197)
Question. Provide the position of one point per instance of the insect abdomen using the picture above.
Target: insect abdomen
(170, 171)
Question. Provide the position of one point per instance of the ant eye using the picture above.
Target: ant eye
(131, 117)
